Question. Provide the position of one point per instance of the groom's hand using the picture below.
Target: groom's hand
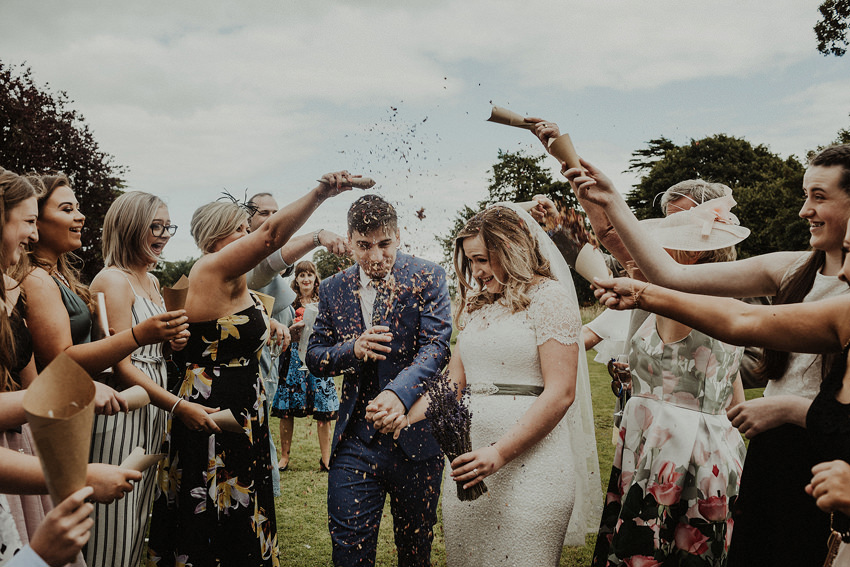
(370, 345)
(384, 408)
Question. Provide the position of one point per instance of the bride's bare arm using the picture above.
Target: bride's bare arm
(559, 365)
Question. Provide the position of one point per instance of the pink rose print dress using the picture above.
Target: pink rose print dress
(678, 461)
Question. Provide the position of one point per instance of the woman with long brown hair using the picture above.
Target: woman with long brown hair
(778, 460)
(301, 394)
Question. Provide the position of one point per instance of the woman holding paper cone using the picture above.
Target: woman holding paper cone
(215, 503)
(773, 426)
(27, 509)
(136, 229)
(58, 313)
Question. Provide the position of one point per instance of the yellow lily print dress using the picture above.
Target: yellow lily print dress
(214, 504)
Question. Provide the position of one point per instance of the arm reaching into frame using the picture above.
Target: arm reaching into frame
(817, 327)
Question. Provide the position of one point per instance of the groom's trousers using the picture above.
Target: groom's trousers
(361, 476)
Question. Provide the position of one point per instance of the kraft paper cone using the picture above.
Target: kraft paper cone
(357, 182)
(563, 149)
(175, 296)
(137, 460)
(136, 397)
(591, 264)
(225, 420)
(60, 410)
(507, 117)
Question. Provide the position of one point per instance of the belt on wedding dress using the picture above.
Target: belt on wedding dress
(492, 389)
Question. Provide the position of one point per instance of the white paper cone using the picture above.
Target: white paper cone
(590, 263)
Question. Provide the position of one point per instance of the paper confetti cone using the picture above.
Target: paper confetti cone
(59, 406)
(175, 296)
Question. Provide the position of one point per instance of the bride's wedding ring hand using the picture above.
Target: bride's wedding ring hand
(473, 467)
(370, 345)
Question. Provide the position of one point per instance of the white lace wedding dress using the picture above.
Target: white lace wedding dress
(523, 517)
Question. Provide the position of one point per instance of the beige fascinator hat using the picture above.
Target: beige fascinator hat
(708, 226)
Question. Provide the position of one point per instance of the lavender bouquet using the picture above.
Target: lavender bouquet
(450, 419)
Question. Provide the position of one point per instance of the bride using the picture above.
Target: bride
(519, 355)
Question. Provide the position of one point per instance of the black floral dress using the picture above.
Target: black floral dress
(214, 504)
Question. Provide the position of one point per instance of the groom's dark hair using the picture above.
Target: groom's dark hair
(369, 213)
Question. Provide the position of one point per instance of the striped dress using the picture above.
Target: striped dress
(118, 534)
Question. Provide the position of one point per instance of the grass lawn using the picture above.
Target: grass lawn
(301, 509)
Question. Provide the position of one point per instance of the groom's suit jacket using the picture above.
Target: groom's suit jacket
(420, 321)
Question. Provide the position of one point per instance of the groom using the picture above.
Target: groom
(384, 324)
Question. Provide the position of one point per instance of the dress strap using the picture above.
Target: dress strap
(111, 269)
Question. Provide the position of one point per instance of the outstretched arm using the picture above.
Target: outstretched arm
(752, 277)
(817, 327)
(240, 256)
(295, 248)
(48, 320)
(606, 233)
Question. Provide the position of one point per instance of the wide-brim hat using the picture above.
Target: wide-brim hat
(708, 226)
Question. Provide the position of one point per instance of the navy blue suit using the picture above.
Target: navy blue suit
(366, 465)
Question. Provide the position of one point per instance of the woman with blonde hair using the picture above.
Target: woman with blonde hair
(532, 435)
(135, 231)
(301, 394)
(215, 503)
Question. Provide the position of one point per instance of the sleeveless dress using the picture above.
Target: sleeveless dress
(828, 430)
(214, 504)
(772, 505)
(678, 459)
(523, 518)
(20, 514)
(118, 534)
(29, 510)
(300, 394)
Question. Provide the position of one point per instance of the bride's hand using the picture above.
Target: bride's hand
(471, 468)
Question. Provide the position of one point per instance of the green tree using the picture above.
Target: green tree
(831, 29)
(766, 186)
(328, 263)
(39, 132)
(169, 272)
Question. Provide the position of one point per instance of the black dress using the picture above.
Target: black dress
(214, 504)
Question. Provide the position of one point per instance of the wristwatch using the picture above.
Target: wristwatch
(316, 241)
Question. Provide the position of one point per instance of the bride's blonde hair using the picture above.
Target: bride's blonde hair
(510, 244)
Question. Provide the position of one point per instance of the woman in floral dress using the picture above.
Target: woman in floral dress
(300, 393)
(678, 461)
(214, 502)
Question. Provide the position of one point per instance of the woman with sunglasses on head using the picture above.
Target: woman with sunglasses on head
(135, 231)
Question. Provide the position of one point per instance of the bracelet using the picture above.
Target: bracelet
(132, 332)
(174, 407)
(637, 294)
(408, 421)
(316, 242)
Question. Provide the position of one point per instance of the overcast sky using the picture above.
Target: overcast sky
(196, 96)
